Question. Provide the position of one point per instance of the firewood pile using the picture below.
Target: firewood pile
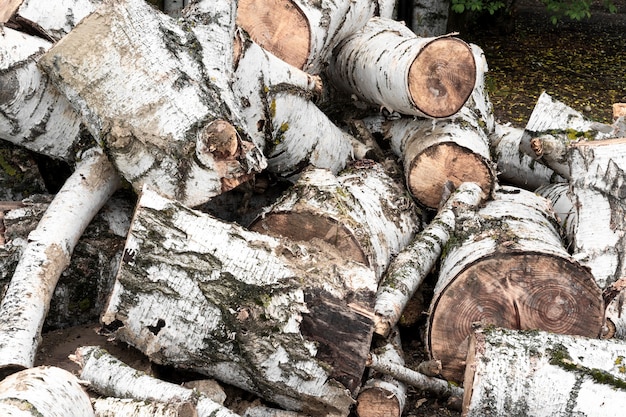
(260, 188)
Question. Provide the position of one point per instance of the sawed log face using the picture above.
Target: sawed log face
(289, 322)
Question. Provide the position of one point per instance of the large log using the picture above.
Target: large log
(535, 373)
(508, 267)
(289, 322)
(163, 111)
(385, 63)
(44, 391)
(347, 212)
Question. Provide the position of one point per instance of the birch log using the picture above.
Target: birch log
(26, 301)
(364, 213)
(118, 407)
(280, 116)
(289, 322)
(303, 33)
(162, 112)
(111, 377)
(429, 17)
(44, 391)
(535, 373)
(615, 314)
(408, 270)
(507, 267)
(385, 63)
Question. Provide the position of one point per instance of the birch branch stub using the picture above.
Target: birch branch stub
(363, 213)
(507, 267)
(289, 322)
(387, 64)
(164, 117)
(535, 373)
(44, 391)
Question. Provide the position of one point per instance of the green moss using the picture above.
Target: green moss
(559, 356)
(6, 166)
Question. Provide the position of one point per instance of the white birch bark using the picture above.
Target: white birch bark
(615, 314)
(535, 373)
(111, 377)
(158, 112)
(387, 64)
(248, 309)
(174, 7)
(33, 113)
(124, 407)
(430, 17)
(348, 212)
(26, 302)
(44, 391)
(560, 195)
(387, 9)
(261, 411)
(409, 269)
(507, 267)
(303, 32)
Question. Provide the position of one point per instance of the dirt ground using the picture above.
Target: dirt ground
(579, 63)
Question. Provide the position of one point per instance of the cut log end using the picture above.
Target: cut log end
(442, 77)
(521, 291)
(219, 138)
(438, 164)
(376, 402)
(311, 227)
(279, 26)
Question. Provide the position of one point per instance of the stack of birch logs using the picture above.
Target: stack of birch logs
(391, 170)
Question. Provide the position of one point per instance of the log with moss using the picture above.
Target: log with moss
(508, 267)
(290, 322)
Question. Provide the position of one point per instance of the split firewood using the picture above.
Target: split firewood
(111, 377)
(164, 113)
(455, 149)
(289, 322)
(346, 212)
(125, 407)
(543, 374)
(409, 269)
(44, 391)
(507, 267)
(382, 395)
(27, 298)
(303, 32)
(385, 63)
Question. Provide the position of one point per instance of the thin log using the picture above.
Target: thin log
(111, 377)
(507, 267)
(125, 407)
(166, 115)
(346, 212)
(44, 391)
(239, 306)
(543, 374)
(302, 33)
(385, 63)
(26, 302)
(261, 411)
(411, 266)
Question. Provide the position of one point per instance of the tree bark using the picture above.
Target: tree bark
(43, 391)
(429, 17)
(303, 33)
(507, 267)
(346, 212)
(409, 269)
(289, 322)
(535, 373)
(164, 113)
(27, 299)
(385, 63)
(111, 377)
(117, 407)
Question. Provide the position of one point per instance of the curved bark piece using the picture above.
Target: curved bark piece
(387, 64)
(302, 32)
(347, 212)
(248, 309)
(44, 391)
(125, 407)
(409, 269)
(26, 302)
(153, 109)
(109, 376)
(507, 267)
(536, 373)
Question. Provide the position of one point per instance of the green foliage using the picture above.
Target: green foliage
(460, 6)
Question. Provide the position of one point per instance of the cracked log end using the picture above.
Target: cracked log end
(376, 401)
(279, 26)
(438, 164)
(442, 77)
